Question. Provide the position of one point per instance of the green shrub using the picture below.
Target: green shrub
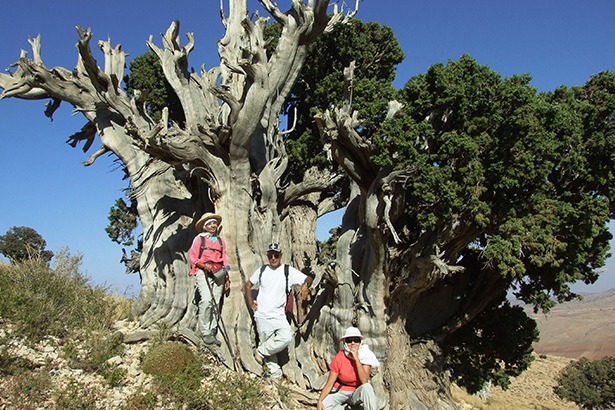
(589, 383)
(77, 396)
(28, 389)
(141, 401)
(11, 365)
(179, 375)
(167, 359)
(56, 301)
(238, 391)
(92, 356)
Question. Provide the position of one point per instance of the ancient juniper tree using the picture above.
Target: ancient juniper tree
(224, 155)
(462, 187)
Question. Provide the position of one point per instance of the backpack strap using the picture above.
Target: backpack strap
(203, 247)
(260, 275)
(286, 274)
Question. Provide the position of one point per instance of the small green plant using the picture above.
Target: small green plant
(164, 333)
(284, 394)
(236, 391)
(28, 389)
(177, 375)
(93, 354)
(588, 383)
(12, 365)
(141, 401)
(166, 359)
(77, 396)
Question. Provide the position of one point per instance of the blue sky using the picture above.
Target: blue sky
(45, 186)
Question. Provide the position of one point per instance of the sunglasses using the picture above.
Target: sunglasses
(272, 255)
(353, 340)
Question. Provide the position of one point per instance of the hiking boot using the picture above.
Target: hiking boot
(211, 340)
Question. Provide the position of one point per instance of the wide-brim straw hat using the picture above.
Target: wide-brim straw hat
(352, 332)
(200, 224)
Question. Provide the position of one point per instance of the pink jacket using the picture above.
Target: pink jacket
(215, 252)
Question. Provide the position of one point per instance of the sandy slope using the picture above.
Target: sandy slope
(577, 329)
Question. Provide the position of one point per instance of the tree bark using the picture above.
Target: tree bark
(229, 157)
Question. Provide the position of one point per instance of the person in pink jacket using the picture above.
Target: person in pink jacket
(209, 263)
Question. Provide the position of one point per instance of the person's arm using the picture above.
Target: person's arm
(224, 256)
(249, 299)
(327, 389)
(305, 287)
(363, 370)
(194, 255)
(307, 282)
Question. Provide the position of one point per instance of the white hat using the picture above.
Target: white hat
(274, 247)
(205, 219)
(352, 332)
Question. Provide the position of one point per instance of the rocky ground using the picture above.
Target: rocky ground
(584, 328)
(47, 354)
(532, 390)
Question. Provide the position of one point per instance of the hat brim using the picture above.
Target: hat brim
(199, 224)
(350, 336)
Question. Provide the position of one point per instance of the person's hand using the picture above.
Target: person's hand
(353, 348)
(320, 406)
(305, 291)
(254, 306)
(227, 287)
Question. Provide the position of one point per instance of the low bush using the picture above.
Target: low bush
(168, 359)
(589, 383)
(41, 301)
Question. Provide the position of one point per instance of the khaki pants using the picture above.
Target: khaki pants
(208, 320)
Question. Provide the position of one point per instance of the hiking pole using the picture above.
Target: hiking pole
(219, 320)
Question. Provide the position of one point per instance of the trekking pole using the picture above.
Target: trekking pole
(220, 321)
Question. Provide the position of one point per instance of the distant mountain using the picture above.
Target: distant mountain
(582, 328)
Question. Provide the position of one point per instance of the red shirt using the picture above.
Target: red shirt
(346, 372)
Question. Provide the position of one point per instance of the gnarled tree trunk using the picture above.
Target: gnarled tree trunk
(229, 157)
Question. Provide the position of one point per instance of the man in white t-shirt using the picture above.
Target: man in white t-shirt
(274, 331)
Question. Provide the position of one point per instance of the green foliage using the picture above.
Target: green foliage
(167, 359)
(122, 223)
(524, 177)
(375, 51)
(60, 301)
(21, 243)
(494, 347)
(179, 373)
(141, 401)
(589, 383)
(236, 392)
(147, 77)
(328, 248)
(11, 365)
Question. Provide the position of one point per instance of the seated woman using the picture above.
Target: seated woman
(349, 372)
